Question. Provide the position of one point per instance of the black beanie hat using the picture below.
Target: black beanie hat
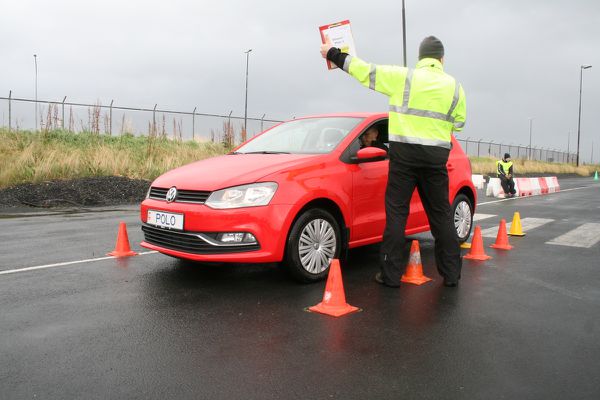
(506, 155)
(431, 47)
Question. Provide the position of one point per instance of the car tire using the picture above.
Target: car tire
(315, 238)
(462, 217)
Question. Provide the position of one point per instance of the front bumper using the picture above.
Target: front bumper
(269, 224)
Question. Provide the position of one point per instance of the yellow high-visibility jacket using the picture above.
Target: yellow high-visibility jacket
(504, 168)
(426, 104)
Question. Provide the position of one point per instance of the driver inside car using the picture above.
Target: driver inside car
(371, 139)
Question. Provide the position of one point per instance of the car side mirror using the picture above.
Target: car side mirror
(369, 154)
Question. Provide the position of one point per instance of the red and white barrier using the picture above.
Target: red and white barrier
(536, 189)
(494, 188)
(543, 185)
(552, 183)
(525, 186)
(478, 181)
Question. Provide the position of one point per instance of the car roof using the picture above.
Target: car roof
(348, 114)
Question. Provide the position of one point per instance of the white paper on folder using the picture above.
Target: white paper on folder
(341, 37)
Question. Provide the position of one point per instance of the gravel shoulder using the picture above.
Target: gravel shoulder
(77, 193)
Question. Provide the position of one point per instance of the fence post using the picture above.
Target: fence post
(62, 106)
(110, 118)
(261, 122)
(194, 124)
(478, 145)
(9, 110)
(154, 121)
(229, 130)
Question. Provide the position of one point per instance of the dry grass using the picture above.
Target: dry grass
(487, 166)
(27, 157)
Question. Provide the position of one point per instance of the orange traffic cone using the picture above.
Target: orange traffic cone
(122, 248)
(477, 252)
(334, 298)
(414, 270)
(515, 226)
(502, 238)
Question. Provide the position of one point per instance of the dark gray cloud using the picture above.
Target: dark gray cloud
(515, 59)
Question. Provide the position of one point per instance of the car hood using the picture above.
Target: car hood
(229, 170)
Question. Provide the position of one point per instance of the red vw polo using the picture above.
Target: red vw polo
(300, 193)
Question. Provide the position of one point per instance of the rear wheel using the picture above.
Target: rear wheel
(313, 241)
(462, 212)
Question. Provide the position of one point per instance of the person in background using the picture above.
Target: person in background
(504, 169)
(371, 139)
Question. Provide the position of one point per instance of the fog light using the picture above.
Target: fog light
(249, 238)
(233, 237)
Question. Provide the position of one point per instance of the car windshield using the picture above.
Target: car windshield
(302, 136)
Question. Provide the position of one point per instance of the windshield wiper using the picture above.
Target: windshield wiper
(265, 152)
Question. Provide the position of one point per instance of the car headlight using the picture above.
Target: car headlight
(253, 195)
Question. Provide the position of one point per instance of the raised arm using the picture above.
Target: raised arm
(381, 78)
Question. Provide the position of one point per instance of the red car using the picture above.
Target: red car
(300, 193)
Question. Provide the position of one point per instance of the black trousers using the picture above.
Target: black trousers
(424, 168)
(508, 185)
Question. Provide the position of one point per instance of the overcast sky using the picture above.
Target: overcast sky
(515, 59)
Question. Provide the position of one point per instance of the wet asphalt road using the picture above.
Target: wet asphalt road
(524, 325)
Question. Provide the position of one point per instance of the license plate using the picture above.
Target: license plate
(165, 219)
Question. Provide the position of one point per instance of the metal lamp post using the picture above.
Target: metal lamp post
(36, 99)
(246, 102)
(581, 68)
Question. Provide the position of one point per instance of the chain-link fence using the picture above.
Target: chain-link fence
(481, 148)
(112, 119)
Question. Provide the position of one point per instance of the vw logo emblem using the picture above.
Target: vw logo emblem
(171, 195)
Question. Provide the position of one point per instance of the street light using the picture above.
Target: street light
(246, 102)
(36, 100)
(579, 120)
(403, 34)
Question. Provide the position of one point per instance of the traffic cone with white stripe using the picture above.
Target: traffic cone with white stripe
(334, 298)
(414, 270)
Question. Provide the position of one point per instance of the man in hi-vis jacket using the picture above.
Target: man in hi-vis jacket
(425, 106)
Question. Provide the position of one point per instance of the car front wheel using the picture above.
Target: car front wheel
(462, 212)
(313, 241)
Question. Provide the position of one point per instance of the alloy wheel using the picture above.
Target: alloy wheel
(316, 245)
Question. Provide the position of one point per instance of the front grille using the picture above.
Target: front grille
(183, 196)
(188, 241)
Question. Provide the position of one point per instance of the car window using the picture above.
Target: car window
(304, 136)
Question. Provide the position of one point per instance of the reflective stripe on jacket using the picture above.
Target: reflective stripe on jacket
(503, 167)
(426, 104)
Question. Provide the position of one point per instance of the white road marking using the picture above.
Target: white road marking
(585, 236)
(62, 264)
(479, 217)
(527, 224)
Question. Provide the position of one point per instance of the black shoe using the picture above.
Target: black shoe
(451, 283)
(448, 283)
(379, 279)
